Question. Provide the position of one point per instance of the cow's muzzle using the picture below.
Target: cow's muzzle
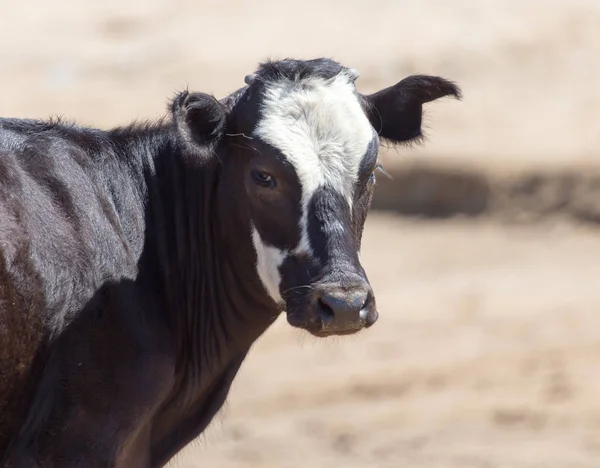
(334, 309)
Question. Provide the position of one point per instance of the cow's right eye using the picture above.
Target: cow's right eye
(264, 179)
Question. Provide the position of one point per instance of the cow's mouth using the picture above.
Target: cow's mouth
(325, 334)
(323, 326)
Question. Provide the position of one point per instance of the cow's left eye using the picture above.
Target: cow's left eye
(372, 178)
(263, 179)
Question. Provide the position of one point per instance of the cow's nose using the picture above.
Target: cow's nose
(343, 309)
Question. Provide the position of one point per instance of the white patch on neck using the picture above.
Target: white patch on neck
(269, 259)
(322, 130)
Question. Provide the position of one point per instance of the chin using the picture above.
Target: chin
(323, 328)
(325, 334)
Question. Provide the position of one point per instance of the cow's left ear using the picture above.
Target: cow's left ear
(396, 112)
(199, 118)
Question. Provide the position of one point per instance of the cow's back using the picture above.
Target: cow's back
(70, 220)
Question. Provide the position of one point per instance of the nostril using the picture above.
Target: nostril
(343, 305)
(325, 310)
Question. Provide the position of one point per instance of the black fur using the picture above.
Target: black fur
(298, 70)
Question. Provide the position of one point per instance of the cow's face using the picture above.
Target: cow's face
(304, 145)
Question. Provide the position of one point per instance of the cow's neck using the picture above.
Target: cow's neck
(204, 278)
(216, 306)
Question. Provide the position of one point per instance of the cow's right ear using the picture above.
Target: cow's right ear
(199, 118)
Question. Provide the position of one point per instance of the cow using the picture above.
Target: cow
(138, 265)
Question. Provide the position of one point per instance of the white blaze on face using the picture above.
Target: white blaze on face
(322, 130)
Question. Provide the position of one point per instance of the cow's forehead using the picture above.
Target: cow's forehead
(320, 127)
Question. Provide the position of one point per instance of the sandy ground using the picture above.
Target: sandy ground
(486, 355)
(488, 347)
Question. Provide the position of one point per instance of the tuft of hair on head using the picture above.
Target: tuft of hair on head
(199, 118)
(295, 70)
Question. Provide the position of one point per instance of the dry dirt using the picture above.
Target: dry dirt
(486, 355)
(487, 352)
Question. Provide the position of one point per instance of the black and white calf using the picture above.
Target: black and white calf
(138, 265)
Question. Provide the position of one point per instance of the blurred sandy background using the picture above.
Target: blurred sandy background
(487, 352)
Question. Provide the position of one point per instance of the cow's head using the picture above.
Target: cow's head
(301, 147)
